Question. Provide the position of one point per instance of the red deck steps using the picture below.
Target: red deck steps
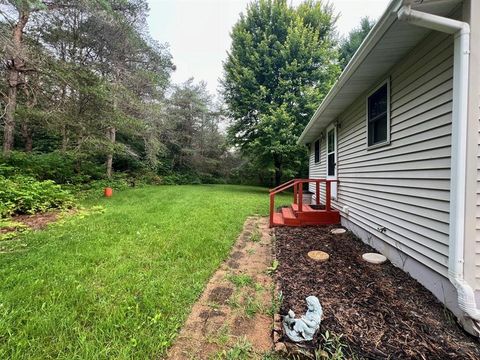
(299, 214)
(289, 217)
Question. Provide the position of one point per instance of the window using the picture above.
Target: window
(317, 151)
(378, 116)
(331, 152)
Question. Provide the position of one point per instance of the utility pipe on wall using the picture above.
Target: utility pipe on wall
(461, 32)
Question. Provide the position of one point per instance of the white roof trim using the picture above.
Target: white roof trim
(386, 20)
(396, 38)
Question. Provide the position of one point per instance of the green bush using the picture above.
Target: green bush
(63, 168)
(211, 179)
(26, 195)
(95, 188)
(180, 179)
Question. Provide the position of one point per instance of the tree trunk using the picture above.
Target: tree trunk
(64, 138)
(15, 64)
(27, 137)
(64, 130)
(111, 132)
(9, 125)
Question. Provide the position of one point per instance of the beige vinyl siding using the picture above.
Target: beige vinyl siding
(404, 186)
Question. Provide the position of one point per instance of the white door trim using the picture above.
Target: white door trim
(335, 152)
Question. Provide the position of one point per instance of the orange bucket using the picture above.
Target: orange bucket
(108, 192)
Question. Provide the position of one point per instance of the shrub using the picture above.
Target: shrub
(26, 195)
(180, 179)
(95, 188)
(211, 179)
(63, 168)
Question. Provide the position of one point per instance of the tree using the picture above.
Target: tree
(282, 62)
(191, 133)
(17, 58)
(95, 71)
(349, 45)
(16, 65)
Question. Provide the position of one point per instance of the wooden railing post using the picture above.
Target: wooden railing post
(300, 196)
(295, 194)
(317, 192)
(272, 206)
(327, 195)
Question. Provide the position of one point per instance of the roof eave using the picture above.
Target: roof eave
(383, 24)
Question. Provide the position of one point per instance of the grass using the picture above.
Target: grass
(241, 350)
(241, 280)
(119, 283)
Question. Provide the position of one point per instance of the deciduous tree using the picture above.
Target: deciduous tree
(282, 62)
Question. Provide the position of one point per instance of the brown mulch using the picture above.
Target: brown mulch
(381, 311)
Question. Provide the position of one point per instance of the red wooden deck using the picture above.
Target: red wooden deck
(299, 214)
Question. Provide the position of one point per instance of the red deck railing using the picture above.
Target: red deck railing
(298, 193)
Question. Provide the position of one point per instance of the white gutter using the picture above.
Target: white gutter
(461, 31)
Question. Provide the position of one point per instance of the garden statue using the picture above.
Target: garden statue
(304, 329)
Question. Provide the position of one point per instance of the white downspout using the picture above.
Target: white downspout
(461, 32)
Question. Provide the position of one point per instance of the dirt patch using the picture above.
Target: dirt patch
(7, 229)
(210, 313)
(379, 309)
(233, 264)
(220, 295)
(236, 255)
(34, 222)
(235, 306)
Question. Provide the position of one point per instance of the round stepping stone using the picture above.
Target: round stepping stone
(338, 231)
(318, 255)
(374, 258)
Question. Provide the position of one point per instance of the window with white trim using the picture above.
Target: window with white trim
(378, 116)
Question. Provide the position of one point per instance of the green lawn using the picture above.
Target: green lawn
(118, 284)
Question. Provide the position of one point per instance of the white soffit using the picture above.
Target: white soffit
(387, 43)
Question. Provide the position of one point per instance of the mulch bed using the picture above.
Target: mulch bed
(381, 311)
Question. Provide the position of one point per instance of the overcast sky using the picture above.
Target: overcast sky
(198, 31)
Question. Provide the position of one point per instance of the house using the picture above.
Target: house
(399, 131)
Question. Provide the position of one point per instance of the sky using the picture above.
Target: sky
(198, 31)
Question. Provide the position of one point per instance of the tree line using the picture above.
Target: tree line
(85, 81)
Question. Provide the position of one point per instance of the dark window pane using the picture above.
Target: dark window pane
(331, 164)
(378, 102)
(331, 140)
(317, 151)
(380, 130)
(378, 116)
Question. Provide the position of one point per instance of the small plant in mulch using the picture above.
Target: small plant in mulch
(332, 347)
